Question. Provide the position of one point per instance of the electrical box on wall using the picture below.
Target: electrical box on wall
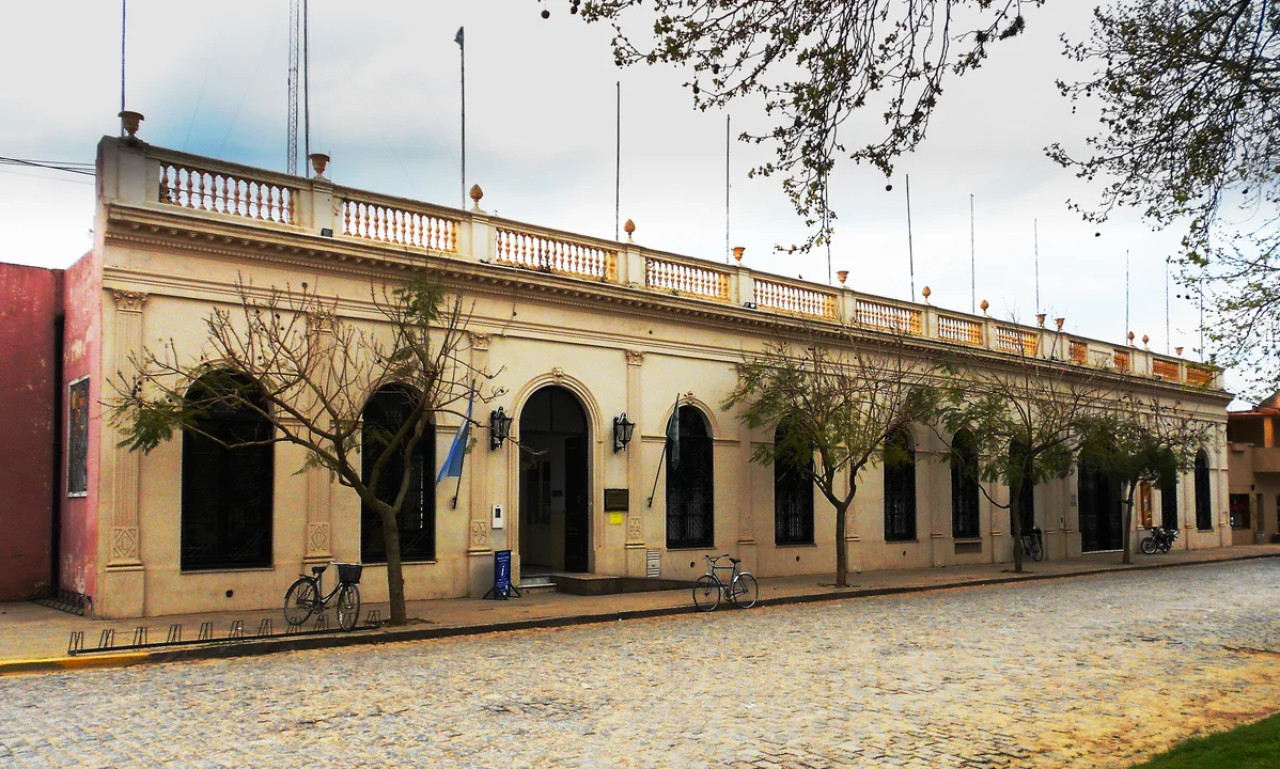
(499, 521)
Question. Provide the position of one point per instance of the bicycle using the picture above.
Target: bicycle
(303, 598)
(742, 589)
(1033, 544)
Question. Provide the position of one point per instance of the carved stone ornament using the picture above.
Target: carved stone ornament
(129, 301)
(479, 534)
(635, 357)
(557, 374)
(634, 532)
(124, 543)
(320, 322)
(479, 341)
(317, 538)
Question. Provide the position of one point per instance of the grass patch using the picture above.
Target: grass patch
(1253, 746)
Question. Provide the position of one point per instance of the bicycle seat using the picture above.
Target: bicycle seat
(735, 561)
(318, 570)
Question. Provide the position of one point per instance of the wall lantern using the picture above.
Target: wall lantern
(622, 430)
(499, 428)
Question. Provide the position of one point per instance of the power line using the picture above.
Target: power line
(72, 168)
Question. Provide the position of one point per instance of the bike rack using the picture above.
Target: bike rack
(205, 635)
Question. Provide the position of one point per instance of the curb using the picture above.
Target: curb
(255, 648)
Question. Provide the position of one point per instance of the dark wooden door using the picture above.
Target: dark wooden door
(577, 501)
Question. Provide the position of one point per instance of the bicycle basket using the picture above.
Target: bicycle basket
(350, 573)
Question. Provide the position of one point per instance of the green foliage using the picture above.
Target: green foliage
(816, 66)
(1190, 136)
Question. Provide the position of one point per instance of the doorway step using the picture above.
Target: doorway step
(605, 584)
(537, 583)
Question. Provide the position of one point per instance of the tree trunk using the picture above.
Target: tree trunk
(842, 528)
(395, 572)
(1126, 522)
(1015, 524)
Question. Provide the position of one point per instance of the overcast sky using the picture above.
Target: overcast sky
(540, 97)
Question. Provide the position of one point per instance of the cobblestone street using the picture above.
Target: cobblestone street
(1087, 672)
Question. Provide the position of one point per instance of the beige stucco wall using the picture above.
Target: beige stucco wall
(617, 348)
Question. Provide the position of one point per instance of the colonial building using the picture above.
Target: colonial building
(588, 334)
(1254, 461)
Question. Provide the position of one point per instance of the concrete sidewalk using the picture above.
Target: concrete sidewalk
(35, 638)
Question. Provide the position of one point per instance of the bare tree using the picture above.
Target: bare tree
(1141, 440)
(840, 406)
(287, 357)
(1024, 416)
(816, 68)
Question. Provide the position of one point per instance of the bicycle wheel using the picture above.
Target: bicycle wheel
(745, 590)
(299, 601)
(706, 593)
(348, 606)
(1037, 550)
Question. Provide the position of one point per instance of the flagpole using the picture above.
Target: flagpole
(617, 158)
(727, 129)
(462, 58)
(123, 16)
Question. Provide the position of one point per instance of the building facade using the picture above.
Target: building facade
(1254, 461)
(585, 334)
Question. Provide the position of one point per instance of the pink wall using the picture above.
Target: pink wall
(30, 302)
(82, 356)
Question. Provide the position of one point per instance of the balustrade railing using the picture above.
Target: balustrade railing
(1022, 341)
(399, 226)
(1122, 361)
(686, 278)
(548, 254)
(1078, 351)
(959, 330)
(888, 317)
(1199, 377)
(223, 192)
(1165, 369)
(804, 301)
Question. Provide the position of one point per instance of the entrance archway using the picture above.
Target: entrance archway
(1101, 523)
(555, 483)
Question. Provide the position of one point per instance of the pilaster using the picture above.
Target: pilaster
(480, 542)
(124, 578)
(635, 546)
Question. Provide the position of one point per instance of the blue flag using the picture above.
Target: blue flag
(458, 451)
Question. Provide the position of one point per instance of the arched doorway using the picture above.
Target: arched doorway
(555, 483)
(1101, 523)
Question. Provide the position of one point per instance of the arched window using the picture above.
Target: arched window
(899, 488)
(792, 498)
(690, 516)
(384, 415)
(1204, 497)
(227, 477)
(1027, 494)
(964, 486)
(1098, 495)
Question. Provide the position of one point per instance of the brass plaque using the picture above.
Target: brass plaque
(617, 500)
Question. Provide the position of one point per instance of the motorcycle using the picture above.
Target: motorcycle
(1161, 539)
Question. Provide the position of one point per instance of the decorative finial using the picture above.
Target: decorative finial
(476, 195)
(737, 253)
(1178, 350)
(843, 275)
(1131, 339)
(1145, 339)
(984, 304)
(630, 229)
(319, 162)
(1040, 316)
(1059, 322)
(129, 121)
(926, 293)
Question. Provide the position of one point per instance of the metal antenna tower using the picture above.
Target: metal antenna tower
(294, 24)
